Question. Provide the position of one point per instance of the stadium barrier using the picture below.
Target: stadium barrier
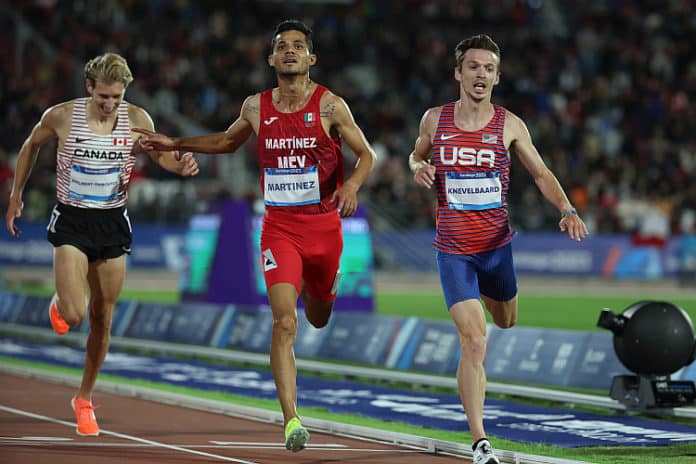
(521, 355)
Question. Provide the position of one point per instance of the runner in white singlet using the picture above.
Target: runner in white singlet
(89, 226)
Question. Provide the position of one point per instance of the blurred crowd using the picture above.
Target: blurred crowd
(607, 89)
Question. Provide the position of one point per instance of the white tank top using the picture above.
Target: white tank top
(92, 170)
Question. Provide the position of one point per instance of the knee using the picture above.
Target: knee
(285, 325)
(473, 343)
(70, 313)
(506, 320)
(318, 319)
(72, 319)
(318, 322)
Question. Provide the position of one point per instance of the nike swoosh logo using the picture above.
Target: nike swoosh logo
(447, 137)
(126, 249)
(79, 140)
(270, 120)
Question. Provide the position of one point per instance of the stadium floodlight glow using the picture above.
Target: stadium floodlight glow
(654, 339)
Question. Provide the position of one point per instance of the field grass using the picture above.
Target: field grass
(575, 312)
(615, 455)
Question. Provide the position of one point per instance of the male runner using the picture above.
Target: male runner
(299, 125)
(463, 149)
(89, 226)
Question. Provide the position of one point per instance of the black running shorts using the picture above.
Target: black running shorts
(98, 233)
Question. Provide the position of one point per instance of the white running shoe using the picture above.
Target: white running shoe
(483, 453)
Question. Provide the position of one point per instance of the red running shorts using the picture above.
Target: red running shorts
(302, 249)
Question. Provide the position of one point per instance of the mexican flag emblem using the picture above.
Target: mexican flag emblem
(309, 119)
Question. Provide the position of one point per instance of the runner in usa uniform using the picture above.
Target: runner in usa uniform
(463, 150)
(89, 226)
(300, 125)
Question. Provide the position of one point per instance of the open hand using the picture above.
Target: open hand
(574, 226)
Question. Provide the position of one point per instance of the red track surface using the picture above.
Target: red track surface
(40, 429)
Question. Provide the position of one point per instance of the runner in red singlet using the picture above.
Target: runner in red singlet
(463, 150)
(89, 226)
(300, 125)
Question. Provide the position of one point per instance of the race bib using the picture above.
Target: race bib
(291, 186)
(95, 184)
(468, 191)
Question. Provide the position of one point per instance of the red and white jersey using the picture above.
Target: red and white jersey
(300, 165)
(92, 170)
(472, 180)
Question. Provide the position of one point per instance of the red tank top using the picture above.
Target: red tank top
(472, 180)
(300, 165)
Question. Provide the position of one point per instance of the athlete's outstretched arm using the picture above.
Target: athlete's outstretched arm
(183, 165)
(342, 120)
(545, 179)
(44, 130)
(216, 143)
(419, 159)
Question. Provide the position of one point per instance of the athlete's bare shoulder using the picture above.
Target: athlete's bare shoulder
(428, 124)
(58, 118)
(328, 104)
(250, 112)
(60, 113)
(512, 118)
(139, 117)
(251, 106)
(514, 128)
(433, 114)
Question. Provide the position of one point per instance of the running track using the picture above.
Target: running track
(37, 426)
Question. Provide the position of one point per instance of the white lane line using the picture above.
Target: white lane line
(125, 437)
(51, 439)
(268, 443)
(142, 445)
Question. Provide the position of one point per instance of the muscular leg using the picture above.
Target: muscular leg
(70, 268)
(504, 312)
(471, 377)
(317, 311)
(105, 280)
(283, 298)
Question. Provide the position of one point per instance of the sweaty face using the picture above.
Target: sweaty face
(106, 97)
(290, 54)
(478, 73)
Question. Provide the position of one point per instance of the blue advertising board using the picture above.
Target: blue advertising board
(597, 363)
(520, 354)
(241, 327)
(532, 355)
(10, 306)
(360, 338)
(190, 323)
(34, 312)
(433, 347)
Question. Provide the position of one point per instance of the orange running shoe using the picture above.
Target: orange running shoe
(57, 322)
(84, 415)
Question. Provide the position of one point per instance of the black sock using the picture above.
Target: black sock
(473, 447)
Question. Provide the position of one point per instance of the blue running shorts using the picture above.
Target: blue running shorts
(466, 277)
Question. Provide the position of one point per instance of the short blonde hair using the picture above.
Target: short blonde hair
(108, 68)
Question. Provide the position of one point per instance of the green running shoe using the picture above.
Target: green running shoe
(296, 436)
